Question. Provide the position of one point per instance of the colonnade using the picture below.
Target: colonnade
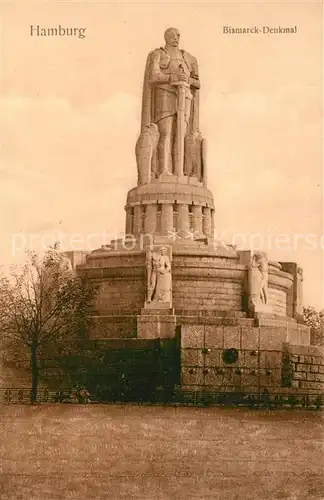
(165, 218)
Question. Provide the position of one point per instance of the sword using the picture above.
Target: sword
(181, 127)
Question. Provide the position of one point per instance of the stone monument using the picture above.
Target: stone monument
(171, 196)
(233, 315)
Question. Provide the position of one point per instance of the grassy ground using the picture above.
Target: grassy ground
(131, 452)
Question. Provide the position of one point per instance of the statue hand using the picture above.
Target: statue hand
(183, 77)
(179, 77)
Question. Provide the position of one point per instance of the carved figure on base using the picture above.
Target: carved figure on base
(145, 151)
(195, 155)
(258, 279)
(159, 277)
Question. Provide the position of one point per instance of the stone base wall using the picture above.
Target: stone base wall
(116, 327)
(307, 367)
(121, 279)
(204, 277)
(277, 301)
(299, 334)
(260, 363)
(124, 295)
(206, 293)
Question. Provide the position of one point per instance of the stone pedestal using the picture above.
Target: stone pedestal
(156, 324)
(150, 209)
(259, 309)
(160, 306)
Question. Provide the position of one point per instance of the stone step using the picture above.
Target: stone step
(275, 321)
(274, 317)
(126, 343)
(157, 312)
(117, 312)
(216, 321)
(246, 322)
(211, 313)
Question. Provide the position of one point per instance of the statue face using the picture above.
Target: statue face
(163, 251)
(172, 37)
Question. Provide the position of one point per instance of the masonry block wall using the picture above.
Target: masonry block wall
(277, 299)
(203, 293)
(261, 361)
(116, 327)
(307, 367)
(121, 280)
(123, 294)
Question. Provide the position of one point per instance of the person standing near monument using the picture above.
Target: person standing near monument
(168, 71)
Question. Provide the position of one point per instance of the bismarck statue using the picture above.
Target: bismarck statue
(170, 142)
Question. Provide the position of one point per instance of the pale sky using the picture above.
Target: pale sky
(70, 117)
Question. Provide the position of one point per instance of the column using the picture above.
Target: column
(137, 219)
(150, 219)
(129, 221)
(167, 218)
(204, 176)
(295, 293)
(183, 220)
(197, 219)
(212, 223)
(158, 218)
(299, 294)
(206, 226)
(143, 217)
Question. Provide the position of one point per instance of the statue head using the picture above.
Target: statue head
(172, 37)
(163, 250)
(65, 263)
(259, 259)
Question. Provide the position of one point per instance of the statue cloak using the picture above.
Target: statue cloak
(148, 92)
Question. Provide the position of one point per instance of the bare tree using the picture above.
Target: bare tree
(315, 320)
(42, 301)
